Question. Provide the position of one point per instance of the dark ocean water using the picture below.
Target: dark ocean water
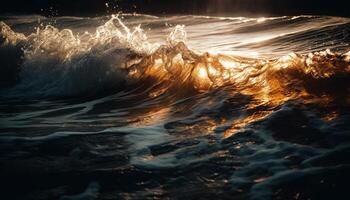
(174, 107)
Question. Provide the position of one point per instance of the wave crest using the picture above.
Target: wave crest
(57, 62)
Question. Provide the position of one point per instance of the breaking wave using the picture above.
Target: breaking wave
(246, 108)
(59, 63)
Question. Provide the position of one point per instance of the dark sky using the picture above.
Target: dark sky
(213, 7)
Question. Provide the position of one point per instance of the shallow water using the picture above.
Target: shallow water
(181, 107)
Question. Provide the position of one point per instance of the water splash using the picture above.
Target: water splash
(60, 62)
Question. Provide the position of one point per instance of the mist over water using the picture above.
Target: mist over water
(135, 106)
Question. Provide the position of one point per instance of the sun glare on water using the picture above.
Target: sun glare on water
(202, 73)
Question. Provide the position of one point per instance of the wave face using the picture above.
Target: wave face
(139, 106)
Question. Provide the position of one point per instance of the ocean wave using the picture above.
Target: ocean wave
(108, 106)
(60, 63)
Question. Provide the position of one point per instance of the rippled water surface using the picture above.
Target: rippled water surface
(174, 107)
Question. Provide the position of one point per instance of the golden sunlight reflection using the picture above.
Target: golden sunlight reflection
(261, 19)
(203, 126)
(201, 78)
(152, 117)
(268, 81)
(202, 73)
(243, 122)
(330, 116)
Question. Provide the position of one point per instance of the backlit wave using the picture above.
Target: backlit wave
(53, 62)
